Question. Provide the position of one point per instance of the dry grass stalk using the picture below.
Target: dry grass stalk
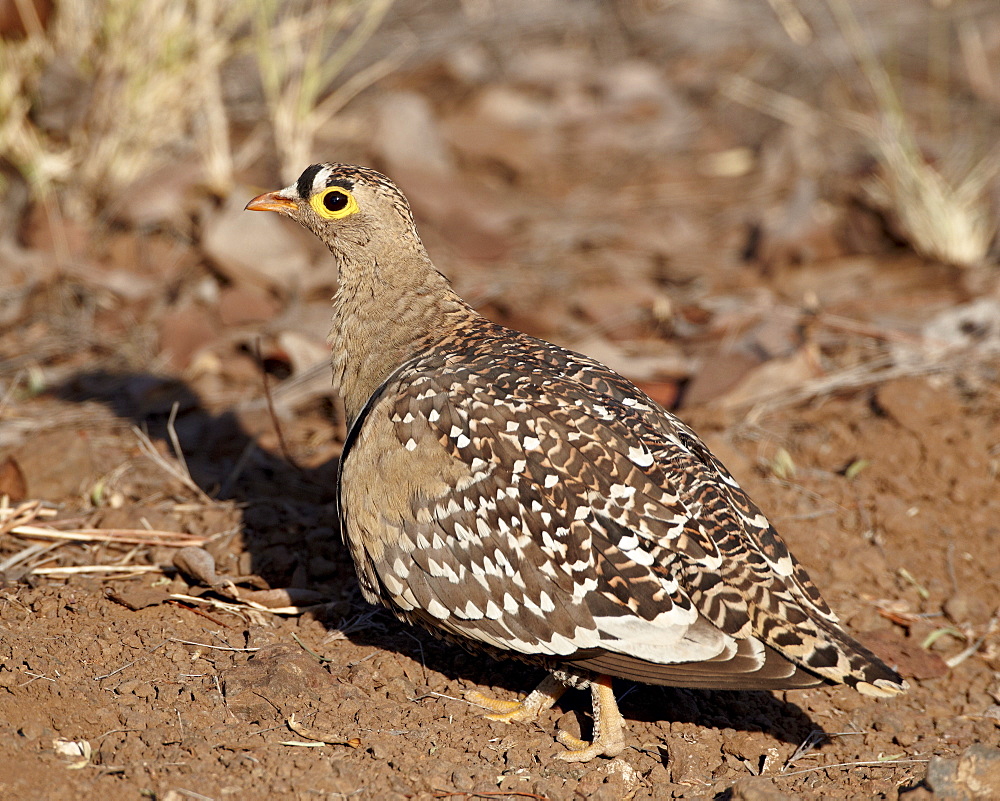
(244, 605)
(950, 221)
(878, 763)
(790, 110)
(143, 87)
(76, 570)
(212, 124)
(181, 474)
(22, 514)
(318, 736)
(366, 620)
(31, 552)
(961, 656)
(945, 214)
(806, 747)
(216, 647)
(791, 19)
(125, 536)
(876, 371)
(301, 50)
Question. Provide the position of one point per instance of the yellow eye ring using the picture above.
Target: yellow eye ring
(334, 203)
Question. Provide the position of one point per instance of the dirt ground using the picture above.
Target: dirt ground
(587, 175)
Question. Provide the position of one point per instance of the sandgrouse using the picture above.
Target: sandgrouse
(526, 500)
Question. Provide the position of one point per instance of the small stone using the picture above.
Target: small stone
(974, 774)
(916, 405)
(569, 723)
(12, 483)
(70, 450)
(964, 607)
(463, 779)
(197, 563)
(31, 730)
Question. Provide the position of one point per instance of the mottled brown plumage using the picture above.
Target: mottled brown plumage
(507, 493)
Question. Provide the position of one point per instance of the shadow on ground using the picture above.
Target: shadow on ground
(225, 461)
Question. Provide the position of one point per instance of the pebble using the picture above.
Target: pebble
(974, 774)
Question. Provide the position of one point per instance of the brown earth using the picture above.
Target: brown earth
(576, 186)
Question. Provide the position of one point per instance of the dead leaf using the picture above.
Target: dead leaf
(197, 563)
(292, 596)
(12, 483)
(77, 751)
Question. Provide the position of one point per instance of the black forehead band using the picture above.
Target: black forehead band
(304, 186)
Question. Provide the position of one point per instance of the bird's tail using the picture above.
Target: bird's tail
(842, 659)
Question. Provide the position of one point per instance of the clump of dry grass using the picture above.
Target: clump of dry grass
(117, 89)
(942, 207)
(21, 65)
(301, 49)
(948, 219)
(133, 85)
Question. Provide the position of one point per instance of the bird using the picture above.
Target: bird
(526, 501)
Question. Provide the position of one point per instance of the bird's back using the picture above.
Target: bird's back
(500, 489)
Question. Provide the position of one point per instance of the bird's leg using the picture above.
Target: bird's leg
(541, 698)
(609, 725)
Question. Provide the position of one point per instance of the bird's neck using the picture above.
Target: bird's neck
(384, 314)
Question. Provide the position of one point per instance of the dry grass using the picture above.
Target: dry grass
(118, 89)
(942, 206)
(302, 48)
(951, 221)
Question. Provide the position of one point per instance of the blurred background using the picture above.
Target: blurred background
(778, 217)
(689, 191)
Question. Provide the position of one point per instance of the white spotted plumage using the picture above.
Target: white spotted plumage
(518, 497)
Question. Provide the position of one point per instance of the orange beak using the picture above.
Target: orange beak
(272, 201)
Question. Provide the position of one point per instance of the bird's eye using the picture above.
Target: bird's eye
(334, 203)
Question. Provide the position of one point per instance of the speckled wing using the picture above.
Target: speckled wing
(542, 505)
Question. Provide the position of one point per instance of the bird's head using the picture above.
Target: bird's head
(349, 208)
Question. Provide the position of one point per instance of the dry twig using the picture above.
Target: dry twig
(128, 536)
(483, 794)
(75, 570)
(149, 449)
(878, 763)
(320, 737)
(282, 445)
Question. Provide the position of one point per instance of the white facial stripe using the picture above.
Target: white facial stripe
(319, 182)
